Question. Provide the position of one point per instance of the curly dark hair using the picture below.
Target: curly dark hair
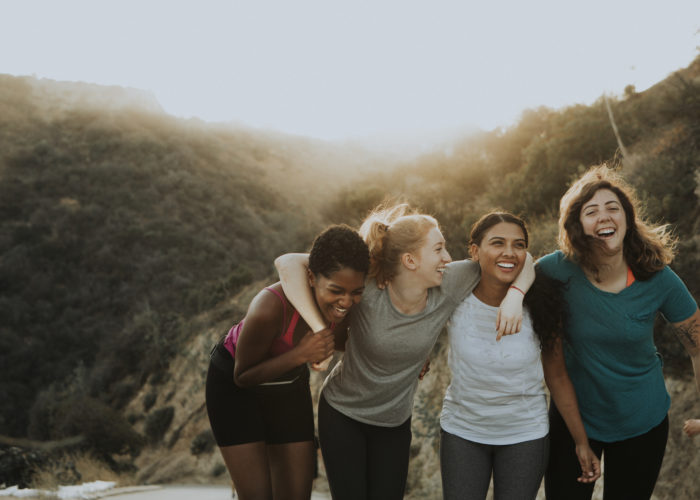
(548, 309)
(337, 247)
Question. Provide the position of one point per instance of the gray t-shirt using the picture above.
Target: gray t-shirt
(377, 378)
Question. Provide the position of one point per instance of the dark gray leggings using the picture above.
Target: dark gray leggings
(466, 468)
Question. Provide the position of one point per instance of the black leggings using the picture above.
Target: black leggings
(631, 466)
(363, 462)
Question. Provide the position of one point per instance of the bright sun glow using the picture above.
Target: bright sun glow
(341, 69)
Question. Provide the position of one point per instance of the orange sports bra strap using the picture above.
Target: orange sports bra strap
(630, 276)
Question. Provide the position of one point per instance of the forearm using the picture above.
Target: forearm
(268, 370)
(564, 397)
(292, 269)
(510, 312)
(527, 276)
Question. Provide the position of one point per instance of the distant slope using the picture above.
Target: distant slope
(125, 233)
(527, 167)
(118, 223)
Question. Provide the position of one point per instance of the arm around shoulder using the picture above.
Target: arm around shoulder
(293, 274)
(510, 314)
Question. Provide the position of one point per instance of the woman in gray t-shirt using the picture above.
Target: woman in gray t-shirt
(366, 402)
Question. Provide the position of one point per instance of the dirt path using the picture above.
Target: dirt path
(183, 492)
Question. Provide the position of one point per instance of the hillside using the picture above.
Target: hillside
(129, 240)
(118, 223)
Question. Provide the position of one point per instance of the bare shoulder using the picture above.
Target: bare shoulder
(267, 306)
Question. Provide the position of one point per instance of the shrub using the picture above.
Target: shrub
(202, 442)
(149, 400)
(158, 422)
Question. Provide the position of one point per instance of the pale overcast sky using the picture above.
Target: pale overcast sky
(341, 69)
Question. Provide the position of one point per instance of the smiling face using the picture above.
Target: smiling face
(336, 294)
(431, 258)
(501, 252)
(603, 218)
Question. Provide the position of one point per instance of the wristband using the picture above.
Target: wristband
(518, 289)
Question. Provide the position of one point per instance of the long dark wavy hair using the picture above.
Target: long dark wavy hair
(548, 309)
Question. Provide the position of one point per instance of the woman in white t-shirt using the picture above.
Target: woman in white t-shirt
(494, 416)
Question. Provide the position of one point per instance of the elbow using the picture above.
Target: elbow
(241, 380)
(279, 263)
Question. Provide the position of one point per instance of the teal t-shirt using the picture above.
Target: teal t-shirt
(610, 353)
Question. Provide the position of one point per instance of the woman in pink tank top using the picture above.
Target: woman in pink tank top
(257, 390)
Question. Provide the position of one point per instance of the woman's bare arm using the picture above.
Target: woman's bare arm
(510, 313)
(564, 396)
(260, 329)
(293, 273)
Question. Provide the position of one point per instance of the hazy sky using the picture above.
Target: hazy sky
(338, 69)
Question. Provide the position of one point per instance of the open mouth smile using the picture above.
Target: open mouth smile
(506, 266)
(338, 313)
(606, 232)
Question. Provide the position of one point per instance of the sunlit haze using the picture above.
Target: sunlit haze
(338, 70)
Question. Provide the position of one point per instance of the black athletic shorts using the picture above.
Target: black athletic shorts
(277, 413)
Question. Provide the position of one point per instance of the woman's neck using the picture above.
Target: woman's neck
(491, 293)
(407, 297)
(612, 272)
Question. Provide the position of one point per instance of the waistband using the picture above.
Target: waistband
(222, 359)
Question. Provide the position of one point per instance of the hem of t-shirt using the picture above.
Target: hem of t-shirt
(343, 410)
(498, 441)
(674, 320)
(617, 438)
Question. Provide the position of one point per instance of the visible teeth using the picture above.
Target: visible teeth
(341, 310)
(441, 269)
(606, 232)
(508, 265)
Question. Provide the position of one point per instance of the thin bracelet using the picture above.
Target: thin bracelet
(518, 289)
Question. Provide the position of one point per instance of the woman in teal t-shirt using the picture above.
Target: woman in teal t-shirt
(616, 266)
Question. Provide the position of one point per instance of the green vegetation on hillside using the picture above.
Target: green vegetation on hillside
(119, 226)
(115, 228)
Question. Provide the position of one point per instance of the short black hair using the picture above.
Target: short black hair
(337, 247)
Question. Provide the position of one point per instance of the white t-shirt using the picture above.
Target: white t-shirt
(496, 395)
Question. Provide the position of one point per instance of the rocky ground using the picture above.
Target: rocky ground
(184, 454)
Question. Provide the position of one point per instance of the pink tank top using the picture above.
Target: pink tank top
(280, 345)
